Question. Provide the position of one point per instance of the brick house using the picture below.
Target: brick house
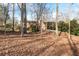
(31, 23)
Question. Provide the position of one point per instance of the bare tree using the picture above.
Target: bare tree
(23, 10)
(40, 11)
(13, 16)
(57, 20)
(22, 19)
(6, 10)
(0, 9)
(69, 13)
(25, 19)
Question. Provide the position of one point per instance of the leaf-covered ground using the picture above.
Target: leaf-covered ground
(39, 45)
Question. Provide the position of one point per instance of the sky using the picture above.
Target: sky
(63, 9)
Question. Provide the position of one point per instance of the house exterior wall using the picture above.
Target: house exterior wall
(34, 23)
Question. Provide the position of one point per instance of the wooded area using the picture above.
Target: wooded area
(44, 34)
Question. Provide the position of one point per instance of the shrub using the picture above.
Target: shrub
(33, 28)
(62, 26)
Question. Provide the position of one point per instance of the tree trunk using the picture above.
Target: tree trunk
(25, 19)
(57, 20)
(41, 26)
(37, 25)
(46, 27)
(13, 18)
(22, 19)
(69, 18)
(6, 16)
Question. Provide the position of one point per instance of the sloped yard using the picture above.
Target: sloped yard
(38, 45)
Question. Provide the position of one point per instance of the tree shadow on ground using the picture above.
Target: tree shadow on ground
(26, 43)
(73, 47)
